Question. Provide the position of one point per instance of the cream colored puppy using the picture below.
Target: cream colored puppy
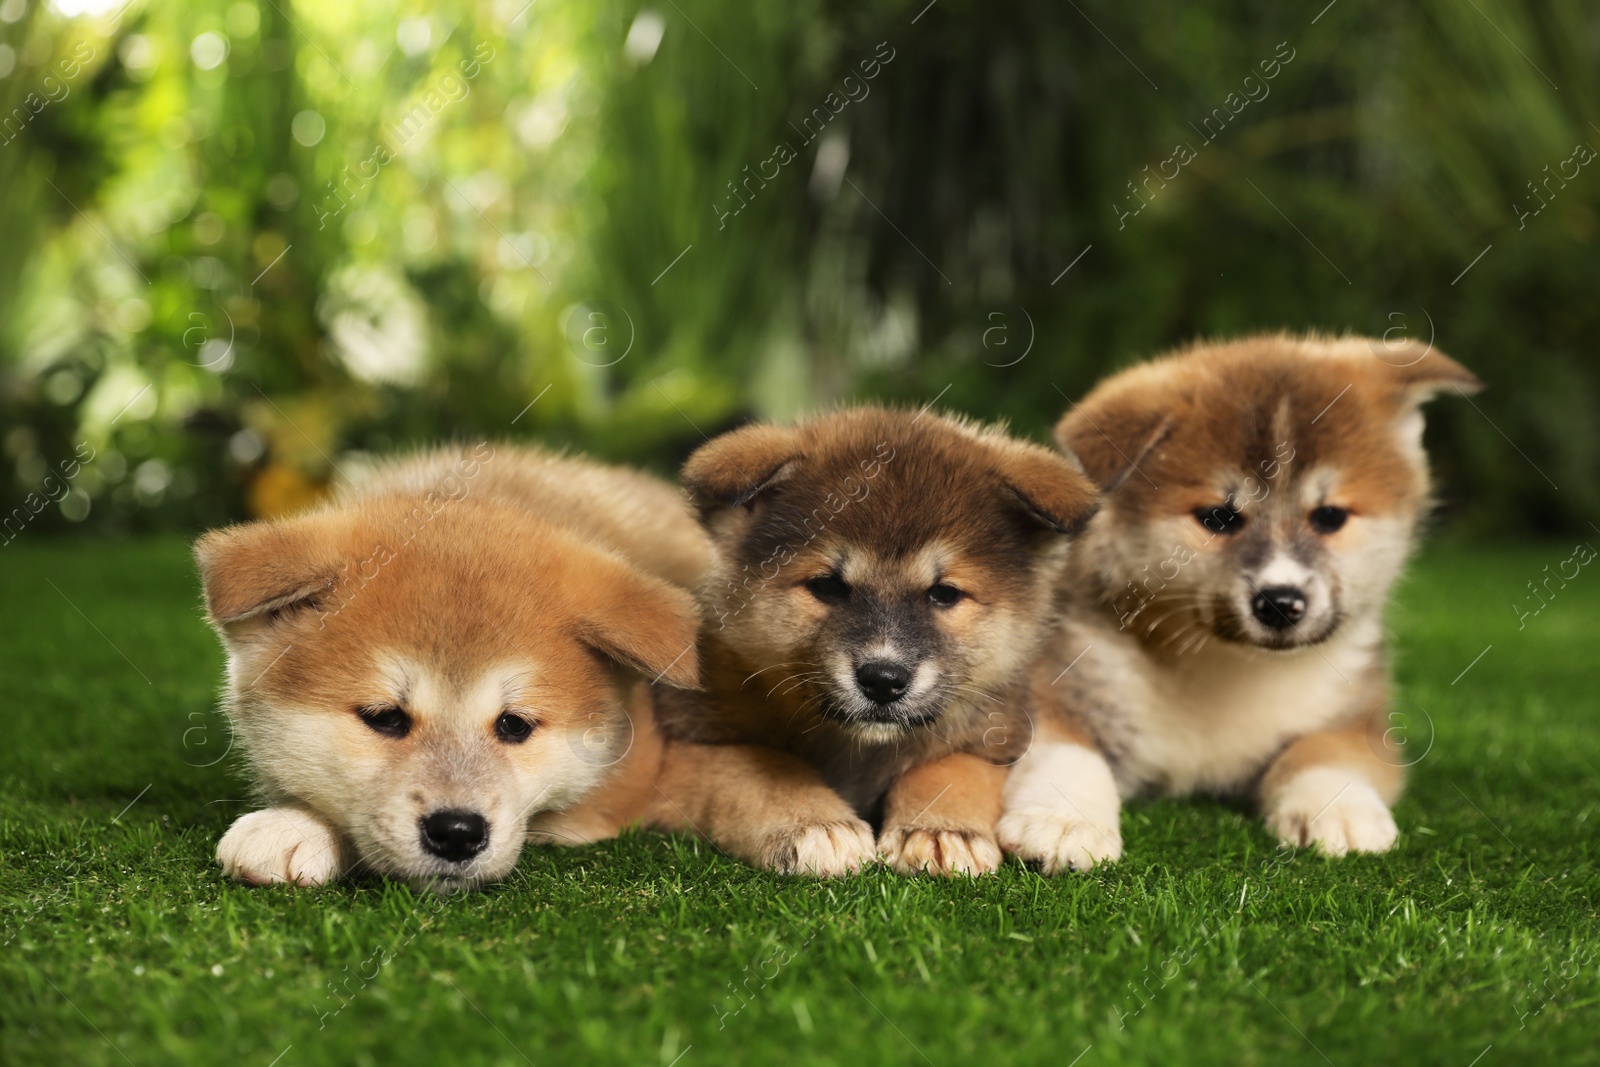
(441, 661)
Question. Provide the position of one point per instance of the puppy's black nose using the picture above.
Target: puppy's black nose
(883, 682)
(1278, 606)
(455, 835)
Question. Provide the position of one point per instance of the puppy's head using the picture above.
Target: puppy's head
(881, 566)
(427, 674)
(1263, 492)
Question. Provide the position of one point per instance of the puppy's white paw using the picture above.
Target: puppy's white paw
(1061, 840)
(820, 850)
(1062, 809)
(1335, 810)
(280, 845)
(913, 850)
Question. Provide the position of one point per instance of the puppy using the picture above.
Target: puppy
(882, 581)
(444, 653)
(1223, 615)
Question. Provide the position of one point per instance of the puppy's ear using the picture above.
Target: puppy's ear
(641, 622)
(1111, 434)
(1412, 375)
(1051, 489)
(258, 568)
(733, 469)
(1422, 372)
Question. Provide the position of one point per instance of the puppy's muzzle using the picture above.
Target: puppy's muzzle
(456, 836)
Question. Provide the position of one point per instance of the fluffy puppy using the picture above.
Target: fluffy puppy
(882, 581)
(444, 653)
(1223, 615)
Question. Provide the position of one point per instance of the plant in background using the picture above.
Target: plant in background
(240, 249)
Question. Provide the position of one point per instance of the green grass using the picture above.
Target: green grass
(121, 944)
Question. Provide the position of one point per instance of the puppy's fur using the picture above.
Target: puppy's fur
(458, 636)
(913, 551)
(1224, 612)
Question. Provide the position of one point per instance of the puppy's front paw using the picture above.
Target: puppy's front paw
(1334, 811)
(915, 850)
(1060, 841)
(280, 845)
(820, 850)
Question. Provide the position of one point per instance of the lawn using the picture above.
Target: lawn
(1474, 942)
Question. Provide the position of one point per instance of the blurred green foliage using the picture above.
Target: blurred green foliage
(240, 242)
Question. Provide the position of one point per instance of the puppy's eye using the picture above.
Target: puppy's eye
(1328, 519)
(945, 595)
(1220, 519)
(828, 588)
(386, 719)
(512, 729)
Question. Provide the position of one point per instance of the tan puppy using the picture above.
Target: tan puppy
(444, 653)
(1224, 613)
(883, 579)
